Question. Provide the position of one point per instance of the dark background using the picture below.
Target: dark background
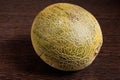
(18, 60)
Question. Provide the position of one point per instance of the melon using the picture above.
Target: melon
(66, 36)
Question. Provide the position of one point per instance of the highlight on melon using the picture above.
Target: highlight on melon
(66, 36)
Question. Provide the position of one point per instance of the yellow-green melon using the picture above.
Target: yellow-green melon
(66, 36)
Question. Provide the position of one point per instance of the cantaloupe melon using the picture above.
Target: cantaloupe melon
(66, 36)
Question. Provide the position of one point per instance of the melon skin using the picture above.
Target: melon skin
(66, 36)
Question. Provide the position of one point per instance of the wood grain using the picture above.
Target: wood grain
(18, 60)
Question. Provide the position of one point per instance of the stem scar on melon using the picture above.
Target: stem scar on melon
(66, 36)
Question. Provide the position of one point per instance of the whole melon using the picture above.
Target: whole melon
(66, 36)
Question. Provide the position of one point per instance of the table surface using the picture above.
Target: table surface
(18, 60)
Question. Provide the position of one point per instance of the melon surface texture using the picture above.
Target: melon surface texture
(66, 36)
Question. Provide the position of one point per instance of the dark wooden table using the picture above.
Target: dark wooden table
(18, 60)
